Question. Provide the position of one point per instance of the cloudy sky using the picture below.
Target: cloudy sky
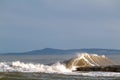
(64, 24)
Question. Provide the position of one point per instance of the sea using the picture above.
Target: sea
(49, 67)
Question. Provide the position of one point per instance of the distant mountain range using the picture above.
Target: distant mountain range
(51, 51)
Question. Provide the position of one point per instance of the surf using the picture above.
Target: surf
(89, 60)
(17, 66)
(69, 67)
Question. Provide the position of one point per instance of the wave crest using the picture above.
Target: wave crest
(81, 60)
(88, 60)
(18, 66)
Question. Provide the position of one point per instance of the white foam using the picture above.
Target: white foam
(30, 67)
(18, 66)
(98, 74)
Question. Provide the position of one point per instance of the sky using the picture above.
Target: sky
(63, 24)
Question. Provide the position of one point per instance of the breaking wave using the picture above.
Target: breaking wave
(62, 68)
(88, 60)
(18, 66)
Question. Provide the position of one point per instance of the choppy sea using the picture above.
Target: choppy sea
(48, 67)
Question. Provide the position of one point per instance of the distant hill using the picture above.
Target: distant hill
(46, 51)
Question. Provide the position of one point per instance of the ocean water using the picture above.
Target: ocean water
(48, 67)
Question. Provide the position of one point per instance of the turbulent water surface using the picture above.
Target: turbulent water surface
(46, 67)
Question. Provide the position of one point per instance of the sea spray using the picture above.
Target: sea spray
(17, 66)
(58, 68)
(88, 60)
